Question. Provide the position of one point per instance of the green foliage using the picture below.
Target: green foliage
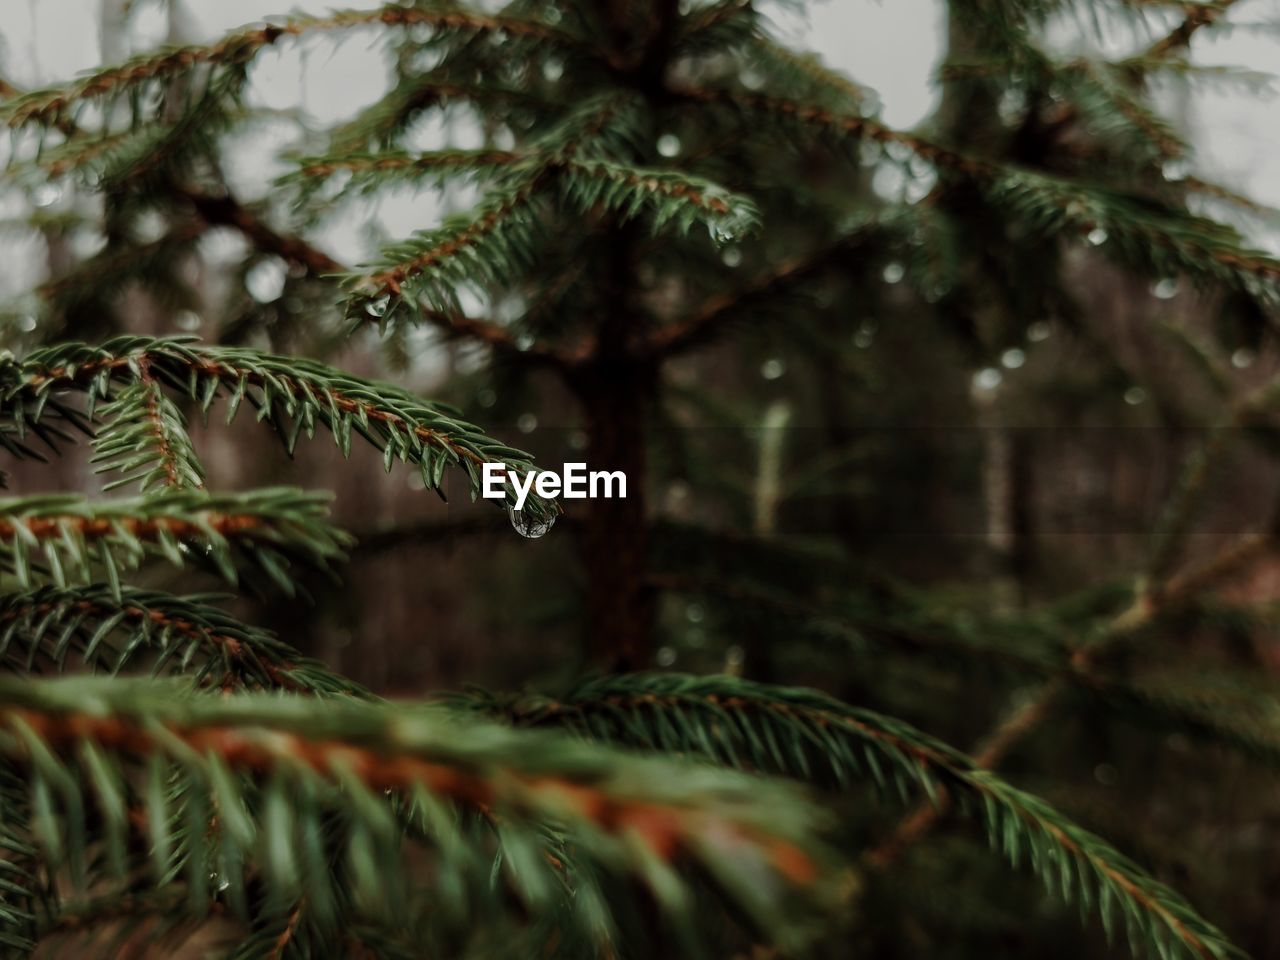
(292, 396)
(66, 538)
(805, 734)
(652, 176)
(337, 784)
(62, 629)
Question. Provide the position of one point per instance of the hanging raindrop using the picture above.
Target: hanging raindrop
(730, 226)
(1242, 358)
(668, 145)
(530, 525)
(265, 280)
(1013, 358)
(1097, 236)
(988, 378)
(378, 307)
(46, 195)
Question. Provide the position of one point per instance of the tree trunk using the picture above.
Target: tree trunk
(615, 396)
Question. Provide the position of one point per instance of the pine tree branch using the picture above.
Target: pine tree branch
(237, 49)
(267, 529)
(300, 760)
(292, 394)
(805, 734)
(1142, 232)
(226, 211)
(1198, 17)
(1157, 600)
(93, 627)
(146, 431)
(368, 171)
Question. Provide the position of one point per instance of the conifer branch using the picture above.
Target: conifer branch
(805, 734)
(1157, 239)
(146, 432)
(268, 530)
(94, 627)
(22, 889)
(293, 395)
(298, 760)
(1159, 598)
(236, 50)
(226, 211)
(368, 171)
(501, 235)
(1198, 16)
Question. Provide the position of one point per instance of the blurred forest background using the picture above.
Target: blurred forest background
(854, 472)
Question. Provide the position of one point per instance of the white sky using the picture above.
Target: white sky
(891, 46)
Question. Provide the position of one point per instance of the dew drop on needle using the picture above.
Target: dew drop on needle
(529, 524)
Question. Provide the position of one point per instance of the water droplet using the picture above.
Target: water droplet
(27, 323)
(888, 182)
(665, 656)
(529, 524)
(893, 272)
(1012, 358)
(695, 612)
(1175, 170)
(150, 226)
(773, 368)
(731, 257)
(524, 341)
(1134, 396)
(920, 185)
(1011, 105)
(1242, 358)
(578, 440)
(46, 195)
(1097, 236)
(527, 423)
(218, 882)
(988, 378)
(265, 279)
(734, 657)
(732, 225)
(1165, 289)
(864, 336)
(378, 307)
(668, 145)
(187, 320)
(552, 70)
(1038, 331)
(486, 397)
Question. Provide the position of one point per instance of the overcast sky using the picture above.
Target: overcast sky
(892, 46)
